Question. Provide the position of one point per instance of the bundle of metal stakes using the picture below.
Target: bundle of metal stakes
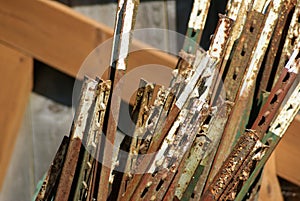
(208, 134)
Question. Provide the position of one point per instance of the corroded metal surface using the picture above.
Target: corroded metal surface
(144, 97)
(262, 45)
(234, 168)
(233, 80)
(243, 102)
(230, 167)
(158, 137)
(239, 22)
(170, 194)
(220, 38)
(232, 8)
(262, 123)
(94, 131)
(77, 133)
(270, 64)
(169, 156)
(180, 139)
(242, 54)
(292, 39)
(214, 134)
(125, 22)
(200, 145)
(276, 131)
(287, 114)
(196, 154)
(50, 182)
(172, 141)
(244, 171)
(277, 95)
(196, 25)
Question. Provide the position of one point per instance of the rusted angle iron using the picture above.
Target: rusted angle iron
(191, 54)
(158, 183)
(220, 41)
(185, 70)
(159, 176)
(125, 21)
(93, 132)
(154, 124)
(237, 11)
(270, 64)
(81, 121)
(233, 80)
(261, 126)
(164, 107)
(190, 51)
(216, 51)
(292, 39)
(196, 26)
(159, 112)
(50, 182)
(218, 48)
(271, 139)
(172, 115)
(235, 166)
(196, 185)
(243, 103)
(131, 144)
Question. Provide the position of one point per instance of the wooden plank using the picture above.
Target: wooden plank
(270, 187)
(16, 70)
(61, 37)
(288, 152)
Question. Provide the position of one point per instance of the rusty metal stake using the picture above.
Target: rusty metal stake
(232, 82)
(158, 137)
(50, 182)
(125, 20)
(196, 25)
(141, 116)
(274, 49)
(242, 151)
(93, 134)
(77, 133)
(275, 134)
(216, 50)
(292, 39)
(243, 103)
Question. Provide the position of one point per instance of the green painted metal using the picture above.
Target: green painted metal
(190, 189)
(273, 141)
(38, 187)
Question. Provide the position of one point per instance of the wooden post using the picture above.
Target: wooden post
(270, 187)
(16, 70)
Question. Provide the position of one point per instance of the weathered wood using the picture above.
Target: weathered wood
(61, 37)
(287, 154)
(270, 188)
(16, 84)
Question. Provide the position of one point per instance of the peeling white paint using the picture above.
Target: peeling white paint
(287, 114)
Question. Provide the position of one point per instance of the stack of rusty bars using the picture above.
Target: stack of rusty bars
(209, 133)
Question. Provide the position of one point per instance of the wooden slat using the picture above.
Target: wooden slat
(16, 70)
(61, 37)
(270, 187)
(288, 153)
